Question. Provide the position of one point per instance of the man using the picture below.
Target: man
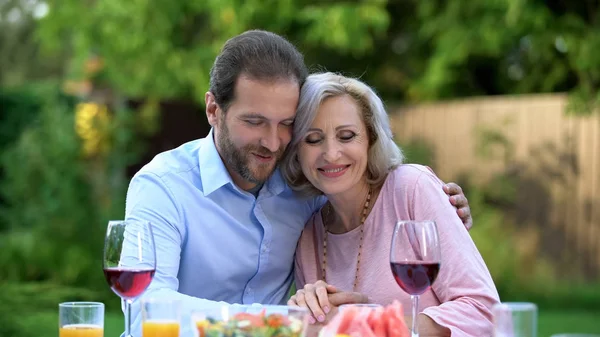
(225, 223)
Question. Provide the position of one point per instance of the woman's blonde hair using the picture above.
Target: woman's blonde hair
(383, 154)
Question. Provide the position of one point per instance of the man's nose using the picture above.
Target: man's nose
(271, 140)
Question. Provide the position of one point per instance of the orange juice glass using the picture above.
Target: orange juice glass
(81, 319)
(81, 330)
(160, 329)
(161, 317)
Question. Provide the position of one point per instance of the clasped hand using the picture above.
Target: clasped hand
(323, 300)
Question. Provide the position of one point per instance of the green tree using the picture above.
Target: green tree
(20, 57)
(454, 48)
(59, 194)
(164, 49)
(411, 50)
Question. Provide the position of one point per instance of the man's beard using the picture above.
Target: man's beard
(239, 161)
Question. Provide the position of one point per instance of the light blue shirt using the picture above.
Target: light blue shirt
(214, 241)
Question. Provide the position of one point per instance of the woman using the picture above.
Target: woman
(343, 148)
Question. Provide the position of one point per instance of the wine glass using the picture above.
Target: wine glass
(129, 261)
(415, 259)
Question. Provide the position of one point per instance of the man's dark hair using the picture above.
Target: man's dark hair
(258, 54)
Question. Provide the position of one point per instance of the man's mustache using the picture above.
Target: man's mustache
(262, 151)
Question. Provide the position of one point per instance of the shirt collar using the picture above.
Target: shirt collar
(214, 174)
(276, 185)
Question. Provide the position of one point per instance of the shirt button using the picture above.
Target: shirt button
(265, 249)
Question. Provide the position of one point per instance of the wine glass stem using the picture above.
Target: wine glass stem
(128, 318)
(415, 311)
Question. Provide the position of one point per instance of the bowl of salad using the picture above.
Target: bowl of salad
(251, 321)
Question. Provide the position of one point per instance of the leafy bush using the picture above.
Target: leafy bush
(19, 107)
(21, 304)
(55, 234)
(59, 198)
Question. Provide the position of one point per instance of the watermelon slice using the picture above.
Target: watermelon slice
(368, 322)
(395, 325)
(377, 322)
(360, 328)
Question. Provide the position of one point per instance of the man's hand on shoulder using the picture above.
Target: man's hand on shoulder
(460, 201)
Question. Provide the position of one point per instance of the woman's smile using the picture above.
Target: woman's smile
(333, 171)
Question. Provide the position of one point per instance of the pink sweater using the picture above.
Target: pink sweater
(464, 291)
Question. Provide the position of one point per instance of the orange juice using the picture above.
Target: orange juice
(160, 329)
(81, 330)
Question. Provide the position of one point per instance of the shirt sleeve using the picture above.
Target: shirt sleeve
(464, 285)
(150, 199)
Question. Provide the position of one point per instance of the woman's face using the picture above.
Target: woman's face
(333, 153)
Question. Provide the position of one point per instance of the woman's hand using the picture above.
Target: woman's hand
(315, 297)
(322, 300)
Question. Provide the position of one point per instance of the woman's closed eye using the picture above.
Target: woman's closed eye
(346, 136)
(313, 139)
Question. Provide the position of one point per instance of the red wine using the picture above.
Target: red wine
(128, 283)
(415, 277)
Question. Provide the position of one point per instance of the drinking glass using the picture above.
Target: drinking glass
(415, 258)
(161, 317)
(81, 319)
(129, 261)
(515, 319)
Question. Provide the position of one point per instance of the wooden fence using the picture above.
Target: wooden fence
(554, 157)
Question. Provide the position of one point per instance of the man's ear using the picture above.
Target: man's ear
(211, 108)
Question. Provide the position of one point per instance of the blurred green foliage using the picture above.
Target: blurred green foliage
(410, 50)
(21, 304)
(486, 47)
(21, 59)
(165, 48)
(19, 108)
(56, 199)
(48, 197)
